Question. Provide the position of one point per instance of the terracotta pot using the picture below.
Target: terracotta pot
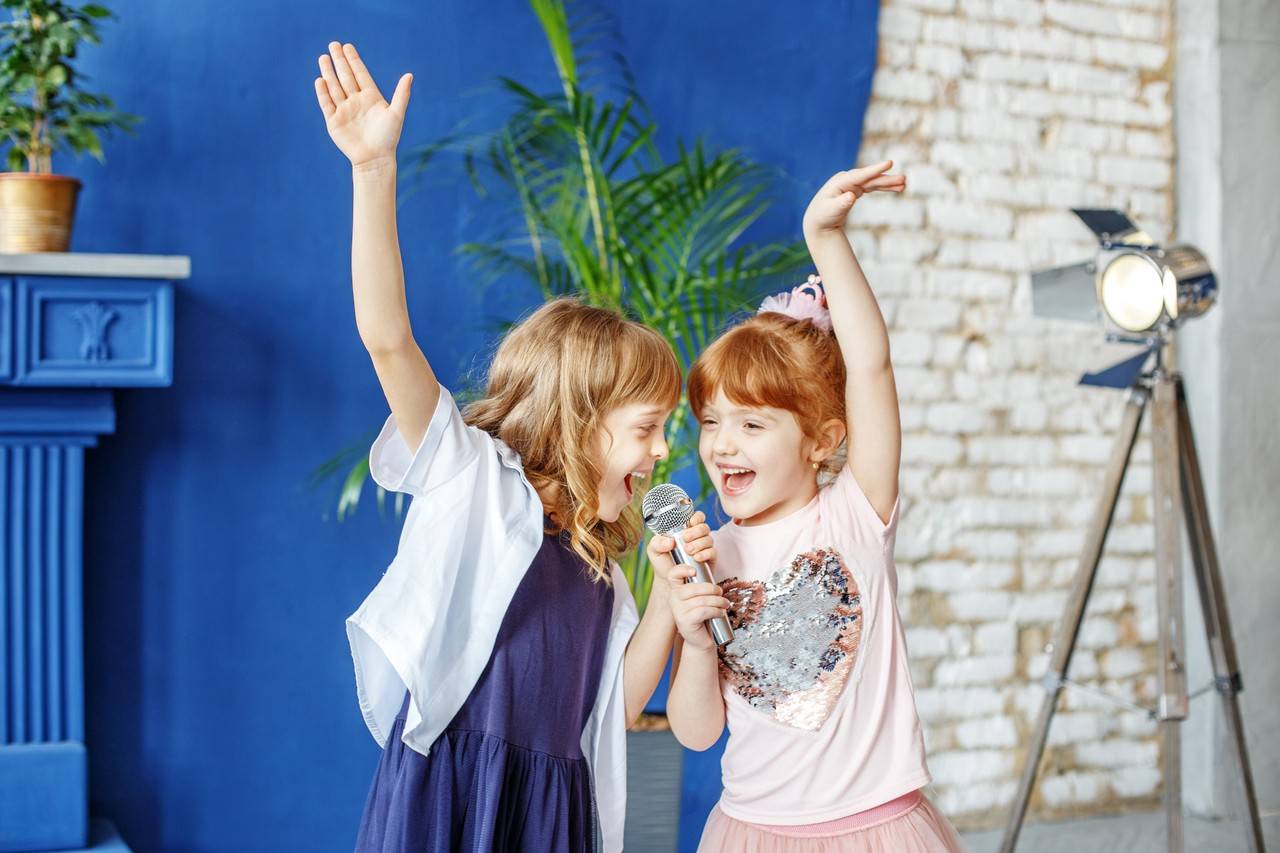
(36, 212)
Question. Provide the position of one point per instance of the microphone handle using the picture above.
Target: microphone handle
(719, 626)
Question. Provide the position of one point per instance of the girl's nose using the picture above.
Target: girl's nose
(721, 445)
(660, 448)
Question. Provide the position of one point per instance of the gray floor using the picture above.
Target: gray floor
(1138, 833)
(654, 763)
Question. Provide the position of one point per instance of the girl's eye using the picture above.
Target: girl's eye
(753, 425)
(708, 422)
(647, 429)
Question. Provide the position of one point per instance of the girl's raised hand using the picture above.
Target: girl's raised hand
(831, 205)
(360, 121)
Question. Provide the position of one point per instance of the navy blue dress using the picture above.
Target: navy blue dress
(508, 773)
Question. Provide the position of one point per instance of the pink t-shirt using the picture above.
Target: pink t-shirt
(818, 698)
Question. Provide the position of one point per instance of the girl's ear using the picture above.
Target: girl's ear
(830, 435)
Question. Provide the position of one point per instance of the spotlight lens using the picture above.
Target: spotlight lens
(1132, 292)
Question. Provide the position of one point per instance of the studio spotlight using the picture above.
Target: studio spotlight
(1143, 292)
(1139, 287)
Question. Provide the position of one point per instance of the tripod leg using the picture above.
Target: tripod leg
(1064, 641)
(1222, 647)
(1171, 676)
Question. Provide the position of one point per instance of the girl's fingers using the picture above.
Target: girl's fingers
(865, 173)
(662, 544)
(702, 614)
(336, 93)
(697, 541)
(711, 599)
(679, 573)
(845, 181)
(322, 95)
(854, 179)
(695, 589)
(400, 97)
(695, 527)
(886, 182)
(716, 601)
(845, 186)
(363, 79)
(343, 69)
(689, 591)
(696, 530)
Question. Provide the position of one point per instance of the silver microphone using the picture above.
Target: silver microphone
(666, 510)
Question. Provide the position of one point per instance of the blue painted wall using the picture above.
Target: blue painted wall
(221, 711)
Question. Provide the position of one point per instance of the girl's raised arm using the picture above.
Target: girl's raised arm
(366, 128)
(871, 397)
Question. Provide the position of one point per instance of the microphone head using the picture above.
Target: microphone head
(666, 509)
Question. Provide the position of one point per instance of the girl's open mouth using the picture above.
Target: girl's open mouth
(737, 480)
(629, 482)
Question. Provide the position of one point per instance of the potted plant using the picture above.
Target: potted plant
(43, 110)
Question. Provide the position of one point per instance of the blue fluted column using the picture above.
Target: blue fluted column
(43, 770)
(71, 326)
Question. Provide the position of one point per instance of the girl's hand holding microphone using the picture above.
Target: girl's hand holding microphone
(692, 604)
(697, 544)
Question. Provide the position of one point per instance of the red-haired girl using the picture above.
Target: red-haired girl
(825, 749)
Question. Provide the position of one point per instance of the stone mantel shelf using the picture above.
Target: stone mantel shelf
(81, 264)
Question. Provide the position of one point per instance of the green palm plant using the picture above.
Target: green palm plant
(592, 208)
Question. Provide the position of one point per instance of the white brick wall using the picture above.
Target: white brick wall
(1003, 114)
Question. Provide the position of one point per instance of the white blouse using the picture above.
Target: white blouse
(472, 507)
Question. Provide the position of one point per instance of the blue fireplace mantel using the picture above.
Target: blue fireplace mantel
(73, 327)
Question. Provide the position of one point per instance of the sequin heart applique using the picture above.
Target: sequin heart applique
(795, 638)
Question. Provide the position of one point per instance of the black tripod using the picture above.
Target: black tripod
(1176, 481)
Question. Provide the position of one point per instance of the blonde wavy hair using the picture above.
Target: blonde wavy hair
(553, 380)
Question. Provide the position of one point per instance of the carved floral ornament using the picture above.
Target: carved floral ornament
(94, 319)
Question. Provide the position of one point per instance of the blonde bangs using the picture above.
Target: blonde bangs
(648, 371)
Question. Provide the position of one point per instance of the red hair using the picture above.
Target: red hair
(776, 361)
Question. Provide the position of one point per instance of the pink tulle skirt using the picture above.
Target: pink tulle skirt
(909, 824)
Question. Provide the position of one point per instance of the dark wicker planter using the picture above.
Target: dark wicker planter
(654, 765)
